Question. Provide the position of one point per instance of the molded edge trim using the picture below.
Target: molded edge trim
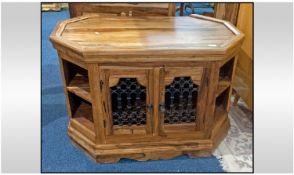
(55, 37)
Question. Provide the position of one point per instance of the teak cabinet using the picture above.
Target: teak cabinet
(122, 9)
(147, 87)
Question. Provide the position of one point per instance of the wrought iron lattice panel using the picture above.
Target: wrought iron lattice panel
(128, 99)
(180, 101)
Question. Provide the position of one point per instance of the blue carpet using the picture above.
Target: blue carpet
(58, 153)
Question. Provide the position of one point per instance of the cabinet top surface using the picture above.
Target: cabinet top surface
(150, 35)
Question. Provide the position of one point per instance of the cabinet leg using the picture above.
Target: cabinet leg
(194, 154)
(107, 159)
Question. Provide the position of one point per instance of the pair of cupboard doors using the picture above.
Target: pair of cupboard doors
(153, 103)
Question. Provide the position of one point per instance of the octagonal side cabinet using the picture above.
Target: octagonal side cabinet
(147, 87)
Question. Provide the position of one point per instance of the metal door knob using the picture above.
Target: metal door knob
(162, 107)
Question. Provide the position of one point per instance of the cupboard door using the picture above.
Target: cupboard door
(182, 98)
(127, 101)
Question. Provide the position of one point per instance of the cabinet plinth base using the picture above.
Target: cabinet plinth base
(112, 153)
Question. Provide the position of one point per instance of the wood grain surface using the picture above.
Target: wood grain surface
(159, 35)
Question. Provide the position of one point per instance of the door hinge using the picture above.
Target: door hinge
(206, 78)
(162, 107)
(101, 85)
(149, 107)
(104, 124)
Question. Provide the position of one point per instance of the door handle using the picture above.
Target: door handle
(149, 107)
(162, 107)
(123, 14)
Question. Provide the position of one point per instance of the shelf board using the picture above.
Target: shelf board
(84, 126)
(219, 113)
(225, 78)
(83, 119)
(85, 122)
(222, 86)
(220, 110)
(84, 111)
(79, 85)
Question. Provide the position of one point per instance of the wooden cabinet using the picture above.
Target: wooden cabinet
(122, 9)
(147, 87)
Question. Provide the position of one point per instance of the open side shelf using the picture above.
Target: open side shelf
(79, 85)
(80, 107)
(222, 86)
(226, 70)
(222, 99)
(221, 102)
(76, 80)
(223, 90)
(81, 112)
(219, 113)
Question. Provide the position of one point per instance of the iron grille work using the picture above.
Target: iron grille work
(180, 101)
(128, 99)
